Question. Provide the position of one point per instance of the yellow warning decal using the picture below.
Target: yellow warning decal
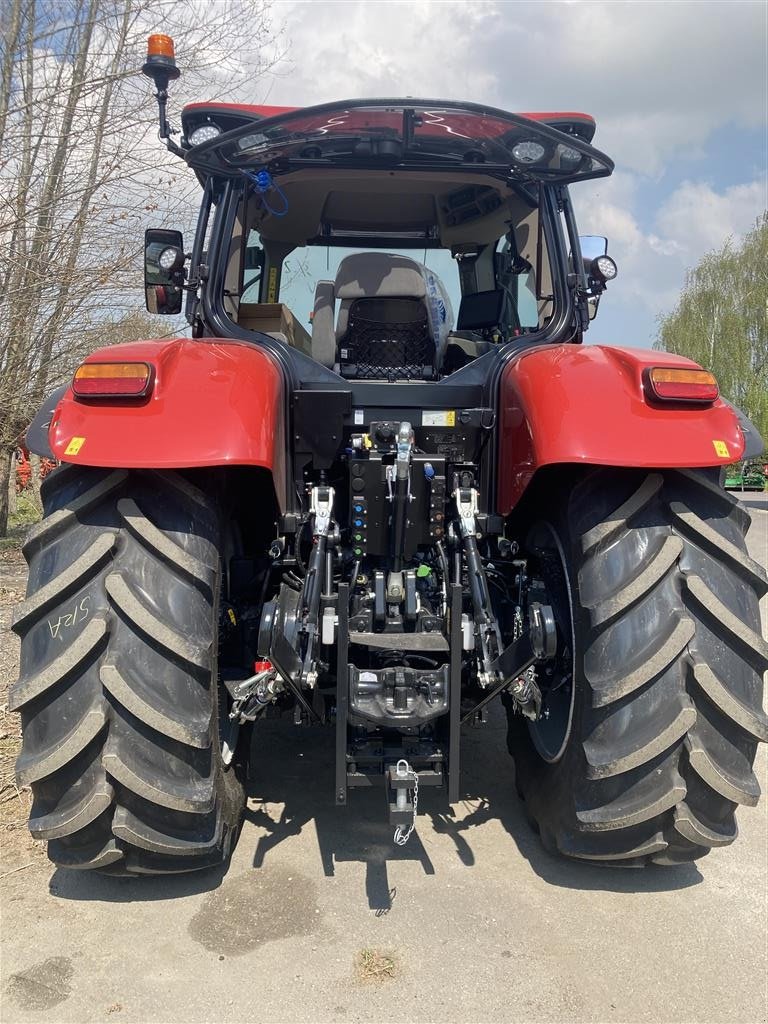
(74, 446)
(721, 449)
(441, 418)
(272, 285)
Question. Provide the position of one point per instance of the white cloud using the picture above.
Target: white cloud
(700, 219)
(342, 50)
(652, 259)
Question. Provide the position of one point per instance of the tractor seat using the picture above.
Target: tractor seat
(385, 328)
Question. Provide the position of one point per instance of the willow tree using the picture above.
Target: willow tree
(721, 321)
(81, 172)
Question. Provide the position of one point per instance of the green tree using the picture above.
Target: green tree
(721, 321)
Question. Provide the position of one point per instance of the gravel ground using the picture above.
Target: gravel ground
(321, 918)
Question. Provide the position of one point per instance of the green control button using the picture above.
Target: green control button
(423, 571)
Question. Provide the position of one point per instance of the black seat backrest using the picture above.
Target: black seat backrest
(389, 339)
(383, 329)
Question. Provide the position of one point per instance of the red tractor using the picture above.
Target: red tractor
(385, 524)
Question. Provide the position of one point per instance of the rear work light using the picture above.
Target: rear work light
(111, 380)
(679, 384)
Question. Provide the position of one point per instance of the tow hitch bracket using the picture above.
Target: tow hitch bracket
(403, 779)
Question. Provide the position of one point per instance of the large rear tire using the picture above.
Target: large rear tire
(118, 690)
(657, 737)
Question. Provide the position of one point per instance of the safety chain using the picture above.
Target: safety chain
(517, 625)
(404, 771)
(517, 631)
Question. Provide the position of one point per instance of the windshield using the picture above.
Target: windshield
(518, 279)
(302, 269)
(306, 266)
(492, 244)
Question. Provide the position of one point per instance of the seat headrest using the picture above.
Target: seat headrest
(379, 275)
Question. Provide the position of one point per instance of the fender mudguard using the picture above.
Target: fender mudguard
(586, 404)
(212, 403)
(754, 444)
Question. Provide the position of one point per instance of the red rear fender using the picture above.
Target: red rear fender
(212, 403)
(586, 404)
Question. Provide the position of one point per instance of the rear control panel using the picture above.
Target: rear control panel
(359, 521)
(370, 502)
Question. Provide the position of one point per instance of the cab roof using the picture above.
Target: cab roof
(233, 115)
(400, 134)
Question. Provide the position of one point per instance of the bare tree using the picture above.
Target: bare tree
(81, 172)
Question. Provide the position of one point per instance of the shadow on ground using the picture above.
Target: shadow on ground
(304, 785)
(298, 764)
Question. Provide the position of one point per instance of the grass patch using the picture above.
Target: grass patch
(375, 966)
(27, 513)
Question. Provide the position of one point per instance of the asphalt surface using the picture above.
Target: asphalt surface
(472, 921)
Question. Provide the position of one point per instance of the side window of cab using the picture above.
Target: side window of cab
(516, 277)
(253, 264)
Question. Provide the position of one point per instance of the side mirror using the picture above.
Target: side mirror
(163, 271)
(592, 246)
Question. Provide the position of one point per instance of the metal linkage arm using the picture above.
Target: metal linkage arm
(321, 509)
(486, 625)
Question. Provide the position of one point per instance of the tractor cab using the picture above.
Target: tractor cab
(389, 240)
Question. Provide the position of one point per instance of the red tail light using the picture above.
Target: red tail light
(110, 380)
(680, 384)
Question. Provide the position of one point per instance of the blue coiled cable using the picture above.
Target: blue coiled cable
(263, 183)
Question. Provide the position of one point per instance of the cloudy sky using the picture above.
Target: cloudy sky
(678, 90)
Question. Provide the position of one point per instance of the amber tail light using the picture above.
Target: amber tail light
(680, 384)
(112, 380)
